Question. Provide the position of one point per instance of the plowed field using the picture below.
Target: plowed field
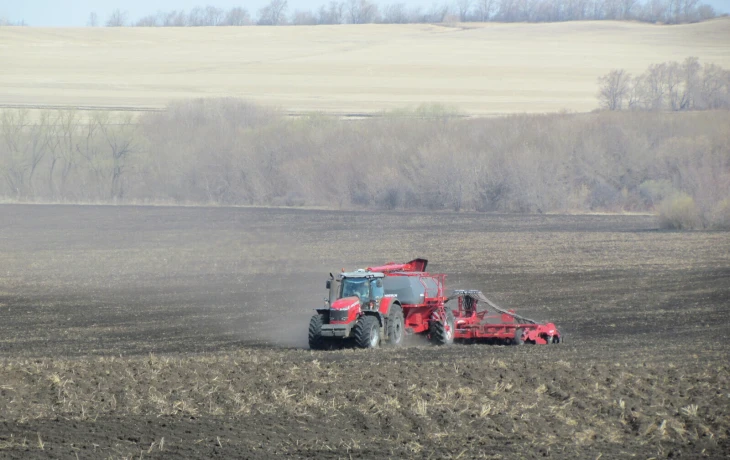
(173, 332)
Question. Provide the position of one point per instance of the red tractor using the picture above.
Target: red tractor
(379, 304)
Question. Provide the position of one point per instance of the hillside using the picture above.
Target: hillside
(480, 68)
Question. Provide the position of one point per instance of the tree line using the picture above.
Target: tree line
(670, 86)
(7, 22)
(233, 152)
(277, 12)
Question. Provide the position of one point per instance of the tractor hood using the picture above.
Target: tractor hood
(346, 303)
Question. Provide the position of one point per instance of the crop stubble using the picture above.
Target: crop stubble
(179, 332)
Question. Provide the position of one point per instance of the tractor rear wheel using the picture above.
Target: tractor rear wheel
(367, 332)
(396, 326)
(316, 341)
(442, 333)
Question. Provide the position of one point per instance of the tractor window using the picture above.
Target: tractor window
(378, 292)
(355, 287)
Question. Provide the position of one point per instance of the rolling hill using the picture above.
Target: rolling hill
(479, 68)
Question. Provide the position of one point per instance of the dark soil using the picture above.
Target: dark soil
(121, 327)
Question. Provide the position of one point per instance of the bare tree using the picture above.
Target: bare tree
(151, 20)
(333, 13)
(26, 145)
(13, 162)
(237, 17)
(673, 82)
(636, 93)
(89, 150)
(509, 11)
(106, 146)
(656, 11)
(41, 135)
(93, 20)
(437, 13)
(627, 9)
(120, 140)
(196, 17)
(303, 18)
(362, 11)
(705, 12)
(395, 13)
(175, 19)
(668, 86)
(577, 10)
(463, 7)
(484, 9)
(273, 14)
(715, 87)
(613, 89)
(691, 79)
(597, 10)
(214, 16)
(655, 80)
(63, 152)
(118, 18)
(689, 10)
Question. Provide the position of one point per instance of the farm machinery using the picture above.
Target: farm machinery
(499, 327)
(380, 305)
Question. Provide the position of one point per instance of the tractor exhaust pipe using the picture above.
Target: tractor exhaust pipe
(333, 289)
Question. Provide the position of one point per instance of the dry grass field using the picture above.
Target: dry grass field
(479, 68)
(171, 332)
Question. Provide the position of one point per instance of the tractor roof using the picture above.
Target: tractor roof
(361, 273)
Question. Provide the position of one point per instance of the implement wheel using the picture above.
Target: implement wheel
(442, 333)
(367, 332)
(316, 341)
(518, 337)
(396, 326)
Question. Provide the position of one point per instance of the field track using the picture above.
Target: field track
(345, 70)
(168, 332)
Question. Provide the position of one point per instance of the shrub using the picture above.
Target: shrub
(679, 212)
(230, 151)
(655, 191)
(721, 215)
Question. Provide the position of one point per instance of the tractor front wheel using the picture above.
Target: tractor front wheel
(316, 341)
(367, 332)
(396, 326)
(442, 332)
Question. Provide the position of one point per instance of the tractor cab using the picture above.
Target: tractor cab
(366, 286)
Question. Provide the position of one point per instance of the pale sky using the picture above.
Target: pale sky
(69, 13)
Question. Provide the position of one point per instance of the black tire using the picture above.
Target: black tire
(367, 332)
(549, 339)
(518, 337)
(396, 326)
(316, 341)
(440, 333)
